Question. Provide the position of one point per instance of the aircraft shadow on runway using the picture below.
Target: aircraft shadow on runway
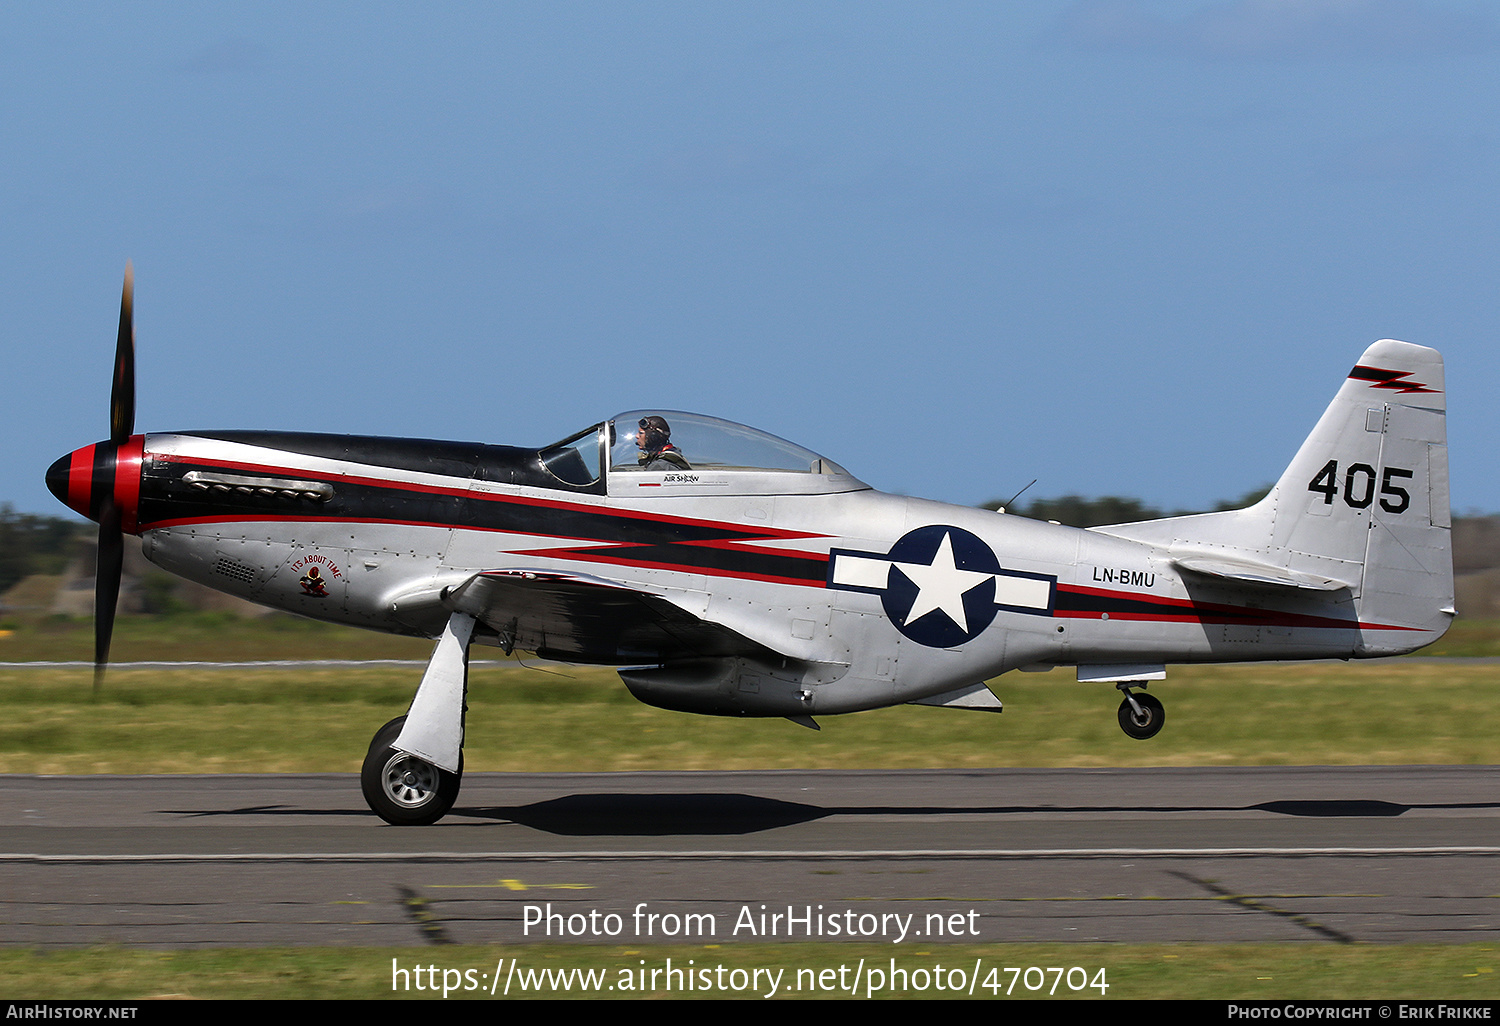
(657, 814)
(614, 814)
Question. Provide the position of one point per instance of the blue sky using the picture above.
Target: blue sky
(1123, 247)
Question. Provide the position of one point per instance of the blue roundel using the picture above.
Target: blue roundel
(941, 589)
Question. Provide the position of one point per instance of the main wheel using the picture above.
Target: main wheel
(402, 789)
(1148, 722)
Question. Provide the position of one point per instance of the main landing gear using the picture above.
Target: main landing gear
(405, 788)
(402, 789)
(1141, 716)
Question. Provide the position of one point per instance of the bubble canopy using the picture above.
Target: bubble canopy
(709, 450)
(708, 443)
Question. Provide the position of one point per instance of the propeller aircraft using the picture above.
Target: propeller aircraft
(731, 572)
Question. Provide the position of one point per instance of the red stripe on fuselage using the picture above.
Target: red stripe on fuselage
(767, 533)
(606, 550)
(618, 555)
(1171, 610)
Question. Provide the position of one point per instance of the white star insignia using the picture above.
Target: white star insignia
(941, 585)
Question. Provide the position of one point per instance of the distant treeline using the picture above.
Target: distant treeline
(1077, 511)
(32, 544)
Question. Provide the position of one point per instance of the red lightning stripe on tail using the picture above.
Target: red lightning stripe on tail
(1389, 379)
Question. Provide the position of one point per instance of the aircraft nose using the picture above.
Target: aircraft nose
(71, 479)
(85, 478)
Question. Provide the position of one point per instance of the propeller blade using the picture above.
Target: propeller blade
(107, 573)
(122, 395)
(111, 560)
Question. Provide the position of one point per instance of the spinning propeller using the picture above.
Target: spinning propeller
(111, 535)
(102, 481)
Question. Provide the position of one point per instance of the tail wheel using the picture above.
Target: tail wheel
(402, 789)
(1145, 723)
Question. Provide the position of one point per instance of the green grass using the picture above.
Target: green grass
(1467, 639)
(278, 719)
(200, 637)
(1137, 971)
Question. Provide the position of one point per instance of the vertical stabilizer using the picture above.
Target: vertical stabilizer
(1370, 486)
(1361, 510)
(1364, 479)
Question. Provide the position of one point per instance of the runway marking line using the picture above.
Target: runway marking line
(517, 885)
(865, 855)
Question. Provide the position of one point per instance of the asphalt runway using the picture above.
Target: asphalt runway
(1318, 855)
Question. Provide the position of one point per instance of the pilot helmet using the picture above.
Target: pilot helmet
(654, 432)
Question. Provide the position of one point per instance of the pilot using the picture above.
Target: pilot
(654, 439)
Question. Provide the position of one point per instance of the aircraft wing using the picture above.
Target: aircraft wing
(582, 618)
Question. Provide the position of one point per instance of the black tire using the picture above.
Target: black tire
(1148, 723)
(402, 789)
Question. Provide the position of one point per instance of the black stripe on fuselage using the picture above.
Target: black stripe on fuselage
(498, 464)
(634, 538)
(1074, 602)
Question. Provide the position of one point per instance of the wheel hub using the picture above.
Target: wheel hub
(409, 781)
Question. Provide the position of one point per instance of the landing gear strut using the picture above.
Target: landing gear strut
(1141, 716)
(407, 789)
(402, 789)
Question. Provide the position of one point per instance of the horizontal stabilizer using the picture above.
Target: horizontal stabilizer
(1248, 572)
